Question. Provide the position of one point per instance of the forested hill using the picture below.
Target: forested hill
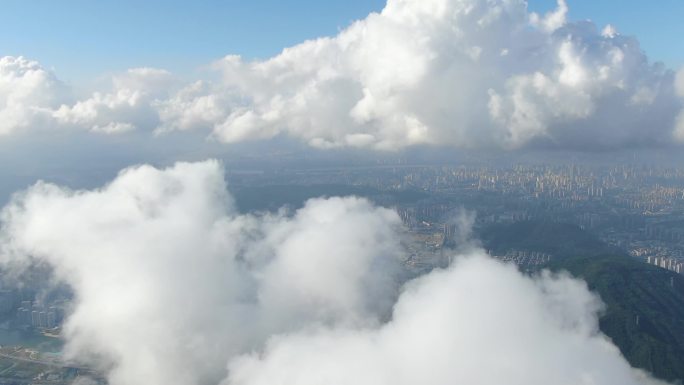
(558, 239)
(644, 304)
(644, 309)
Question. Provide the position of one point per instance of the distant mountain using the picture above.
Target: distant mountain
(644, 304)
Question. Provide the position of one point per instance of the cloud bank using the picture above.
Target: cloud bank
(466, 73)
(479, 322)
(172, 286)
(127, 106)
(28, 93)
(170, 282)
(463, 73)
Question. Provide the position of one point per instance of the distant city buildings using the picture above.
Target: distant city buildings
(38, 316)
(638, 208)
(667, 263)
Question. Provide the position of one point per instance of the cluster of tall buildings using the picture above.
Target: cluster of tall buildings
(632, 207)
(35, 315)
(667, 263)
(526, 260)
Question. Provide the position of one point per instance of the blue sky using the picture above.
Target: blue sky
(80, 37)
(85, 38)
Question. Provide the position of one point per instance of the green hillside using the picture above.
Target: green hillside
(644, 304)
(644, 309)
(558, 239)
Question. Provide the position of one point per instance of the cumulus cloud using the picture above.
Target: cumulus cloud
(479, 322)
(173, 287)
(553, 20)
(28, 92)
(129, 105)
(679, 128)
(680, 83)
(170, 282)
(464, 73)
(197, 106)
(34, 99)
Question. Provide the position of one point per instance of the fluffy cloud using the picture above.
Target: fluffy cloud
(553, 20)
(33, 98)
(173, 287)
(170, 282)
(679, 129)
(479, 322)
(197, 106)
(464, 73)
(680, 83)
(28, 93)
(129, 105)
(467, 73)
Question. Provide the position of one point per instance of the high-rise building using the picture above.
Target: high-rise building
(43, 319)
(35, 318)
(51, 320)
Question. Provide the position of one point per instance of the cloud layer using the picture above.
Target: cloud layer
(170, 282)
(479, 322)
(172, 286)
(464, 73)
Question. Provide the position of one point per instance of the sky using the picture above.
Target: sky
(83, 39)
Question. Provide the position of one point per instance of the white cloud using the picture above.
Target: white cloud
(27, 94)
(479, 322)
(679, 128)
(126, 107)
(461, 73)
(552, 20)
(173, 287)
(434, 72)
(197, 106)
(679, 125)
(679, 83)
(170, 282)
(609, 31)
